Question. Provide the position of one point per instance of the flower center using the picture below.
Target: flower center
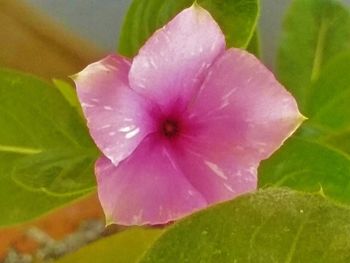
(170, 128)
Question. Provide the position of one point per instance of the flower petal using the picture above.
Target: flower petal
(146, 188)
(171, 65)
(218, 175)
(117, 117)
(249, 111)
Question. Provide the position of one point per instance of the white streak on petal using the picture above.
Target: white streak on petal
(166, 37)
(252, 169)
(127, 128)
(229, 188)
(87, 105)
(213, 46)
(126, 61)
(105, 127)
(138, 218)
(133, 133)
(216, 170)
(229, 93)
(153, 64)
(108, 108)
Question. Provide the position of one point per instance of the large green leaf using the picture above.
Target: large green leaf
(320, 157)
(314, 31)
(46, 154)
(275, 225)
(328, 103)
(18, 204)
(314, 64)
(68, 93)
(328, 106)
(124, 247)
(61, 171)
(254, 44)
(237, 18)
(308, 166)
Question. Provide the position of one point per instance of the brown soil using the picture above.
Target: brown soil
(57, 224)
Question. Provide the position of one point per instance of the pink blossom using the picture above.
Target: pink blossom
(184, 124)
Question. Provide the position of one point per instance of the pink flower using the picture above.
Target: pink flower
(184, 124)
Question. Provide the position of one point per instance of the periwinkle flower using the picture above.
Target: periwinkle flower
(184, 124)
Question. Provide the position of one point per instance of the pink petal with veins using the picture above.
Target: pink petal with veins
(146, 188)
(117, 117)
(243, 106)
(172, 64)
(219, 175)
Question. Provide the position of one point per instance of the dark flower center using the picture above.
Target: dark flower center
(170, 128)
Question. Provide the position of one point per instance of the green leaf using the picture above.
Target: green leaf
(68, 93)
(58, 172)
(124, 247)
(275, 225)
(17, 204)
(236, 18)
(308, 166)
(341, 141)
(328, 107)
(314, 31)
(320, 157)
(46, 153)
(254, 44)
(314, 63)
(329, 96)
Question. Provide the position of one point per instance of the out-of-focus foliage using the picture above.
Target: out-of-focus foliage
(274, 225)
(46, 154)
(125, 247)
(236, 18)
(314, 63)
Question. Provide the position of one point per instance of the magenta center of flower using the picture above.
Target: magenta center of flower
(170, 128)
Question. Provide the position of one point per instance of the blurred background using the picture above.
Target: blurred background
(99, 21)
(56, 38)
